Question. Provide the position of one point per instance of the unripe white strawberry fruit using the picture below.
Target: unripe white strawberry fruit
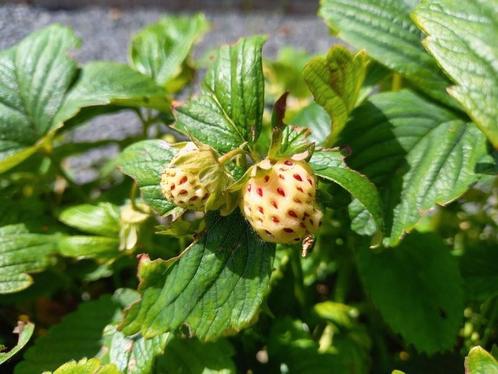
(184, 189)
(194, 179)
(279, 202)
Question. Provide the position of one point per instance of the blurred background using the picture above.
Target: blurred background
(105, 28)
(307, 6)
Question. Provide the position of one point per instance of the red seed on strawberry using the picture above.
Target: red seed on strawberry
(192, 175)
(281, 187)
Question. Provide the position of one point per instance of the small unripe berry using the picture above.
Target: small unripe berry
(194, 179)
(279, 202)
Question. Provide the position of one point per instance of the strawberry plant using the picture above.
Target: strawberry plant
(308, 214)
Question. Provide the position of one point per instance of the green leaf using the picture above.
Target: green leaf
(330, 165)
(144, 162)
(161, 49)
(314, 117)
(82, 328)
(86, 246)
(294, 141)
(286, 141)
(361, 220)
(479, 267)
(377, 77)
(22, 252)
(337, 313)
(384, 29)
(418, 290)
(290, 344)
(462, 38)
(417, 154)
(229, 110)
(29, 211)
(101, 219)
(480, 362)
(285, 73)
(335, 82)
(109, 83)
(216, 287)
(25, 331)
(131, 355)
(134, 355)
(34, 77)
(192, 356)
(86, 366)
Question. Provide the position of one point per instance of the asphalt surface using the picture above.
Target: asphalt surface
(106, 32)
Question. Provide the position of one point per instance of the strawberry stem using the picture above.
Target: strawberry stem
(234, 152)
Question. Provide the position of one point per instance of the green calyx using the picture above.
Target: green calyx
(196, 179)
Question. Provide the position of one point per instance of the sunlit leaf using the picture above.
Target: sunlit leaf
(34, 77)
(229, 109)
(462, 38)
(25, 331)
(215, 287)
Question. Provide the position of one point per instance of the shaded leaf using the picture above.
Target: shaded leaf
(418, 290)
(462, 38)
(290, 344)
(215, 287)
(361, 221)
(330, 165)
(34, 77)
(82, 328)
(229, 110)
(417, 154)
(377, 77)
(479, 267)
(29, 211)
(192, 356)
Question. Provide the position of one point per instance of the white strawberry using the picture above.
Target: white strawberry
(195, 179)
(279, 201)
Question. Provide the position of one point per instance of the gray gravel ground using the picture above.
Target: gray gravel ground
(106, 32)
